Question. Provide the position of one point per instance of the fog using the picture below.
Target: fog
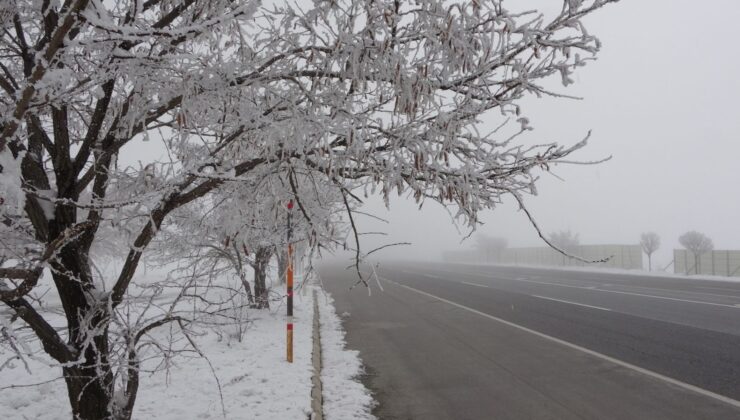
(661, 100)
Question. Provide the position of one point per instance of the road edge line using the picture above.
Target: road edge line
(572, 303)
(596, 354)
(474, 284)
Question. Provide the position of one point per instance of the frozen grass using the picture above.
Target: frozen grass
(255, 380)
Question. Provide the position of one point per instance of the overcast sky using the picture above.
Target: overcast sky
(662, 100)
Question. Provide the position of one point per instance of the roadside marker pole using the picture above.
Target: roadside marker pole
(289, 283)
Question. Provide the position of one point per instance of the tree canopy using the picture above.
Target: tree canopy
(251, 105)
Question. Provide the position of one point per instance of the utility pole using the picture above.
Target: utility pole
(289, 283)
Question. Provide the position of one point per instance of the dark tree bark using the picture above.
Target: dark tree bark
(282, 260)
(90, 380)
(239, 266)
(697, 263)
(261, 261)
(247, 288)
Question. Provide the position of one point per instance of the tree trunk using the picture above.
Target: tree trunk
(697, 260)
(239, 266)
(90, 395)
(282, 260)
(261, 261)
(650, 263)
(247, 289)
(89, 378)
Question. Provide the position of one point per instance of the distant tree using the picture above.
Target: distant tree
(490, 246)
(565, 239)
(698, 244)
(566, 242)
(650, 242)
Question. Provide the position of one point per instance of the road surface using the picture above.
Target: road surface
(453, 341)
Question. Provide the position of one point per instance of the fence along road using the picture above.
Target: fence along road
(715, 263)
(622, 256)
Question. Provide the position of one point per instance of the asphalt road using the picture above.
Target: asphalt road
(444, 341)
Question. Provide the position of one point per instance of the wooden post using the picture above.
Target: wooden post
(289, 285)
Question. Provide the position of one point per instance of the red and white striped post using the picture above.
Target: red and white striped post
(289, 283)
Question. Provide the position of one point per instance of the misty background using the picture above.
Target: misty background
(661, 100)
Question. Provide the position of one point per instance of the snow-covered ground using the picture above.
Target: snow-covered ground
(239, 380)
(344, 397)
(596, 269)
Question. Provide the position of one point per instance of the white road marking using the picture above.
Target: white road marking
(572, 303)
(474, 284)
(615, 291)
(669, 298)
(724, 289)
(630, 366)
(548, 282)
(423, 274)
(595, 289)
(688, 292)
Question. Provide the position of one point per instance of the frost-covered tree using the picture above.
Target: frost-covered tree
(566, 242)
(565, 239)
(375, 95)
(698, 244)
(650, 242)
(245, 224)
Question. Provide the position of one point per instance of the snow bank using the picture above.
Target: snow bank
(344, 396)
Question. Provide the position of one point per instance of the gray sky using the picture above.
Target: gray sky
(662, 100)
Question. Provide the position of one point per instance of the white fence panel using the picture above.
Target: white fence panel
(622, 256)
(720, 262)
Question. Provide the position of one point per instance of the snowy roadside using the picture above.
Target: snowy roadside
(345, 397)
(254, 380)
(642, 273)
